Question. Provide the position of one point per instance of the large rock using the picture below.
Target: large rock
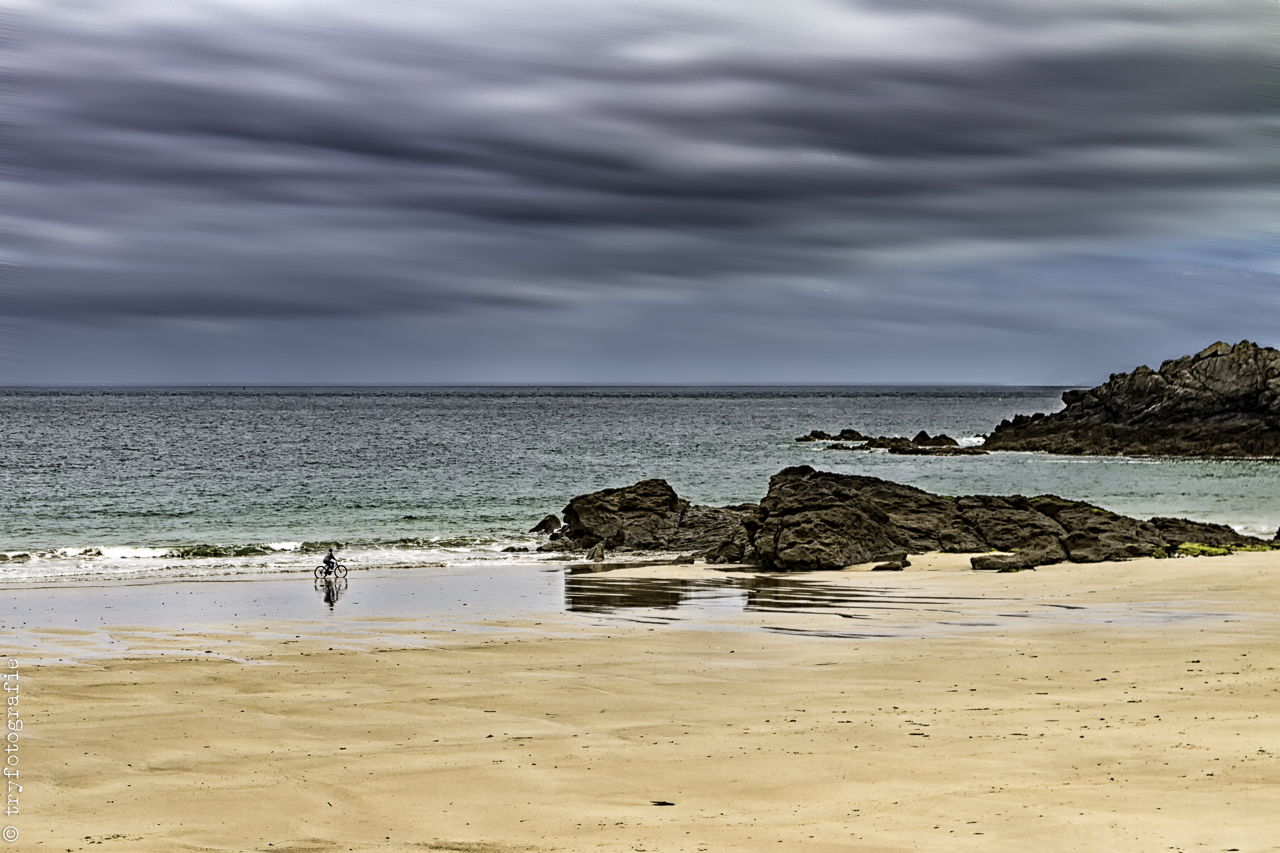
(650, 516)
(1222, 401)
(925, 440)
(819, 520)
(645, 515)
(813, 520)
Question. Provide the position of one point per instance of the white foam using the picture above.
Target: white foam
(124, 552)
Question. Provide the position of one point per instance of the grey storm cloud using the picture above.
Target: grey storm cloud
(266, 159)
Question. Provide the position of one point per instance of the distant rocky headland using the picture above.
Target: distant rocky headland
(1221, 402)
(814, 520)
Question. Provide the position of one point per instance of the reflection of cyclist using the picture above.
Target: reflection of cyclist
(329, 561)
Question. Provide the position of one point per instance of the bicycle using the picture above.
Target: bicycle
(323, 571)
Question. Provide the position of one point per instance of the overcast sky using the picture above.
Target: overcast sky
(692, 191)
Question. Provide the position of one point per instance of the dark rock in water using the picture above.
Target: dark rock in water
(1222, 401)
(844, 435)
(890, 443)
(941, 445)
(515, 549)
(645, 515)
(944, 450)
(839, 446)
(925, 440)
(550, 524)
(596, 553)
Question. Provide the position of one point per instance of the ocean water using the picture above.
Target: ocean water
(123, 483)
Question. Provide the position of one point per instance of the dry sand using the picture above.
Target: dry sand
(1146, 720)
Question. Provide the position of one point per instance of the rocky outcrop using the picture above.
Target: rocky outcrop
(643, 516)
(942, 445)
(1221, 402)
(811, 520)
(821, 435)
(925, 440)
(937, 450)
(650, 516)
(814, 520)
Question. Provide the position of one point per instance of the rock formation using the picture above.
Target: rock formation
(1223, 401)
(925, 440)
(817, 520)
(649, 516)
(821, 435)
(922, 445)
(813, 520)
(645, 515)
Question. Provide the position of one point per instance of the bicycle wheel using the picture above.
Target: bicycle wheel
(320, 572)
(340, 571)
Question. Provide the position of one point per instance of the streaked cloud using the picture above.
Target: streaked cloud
(564, 165)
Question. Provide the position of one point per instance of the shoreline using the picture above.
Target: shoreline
(1124, 705)
(937, 592)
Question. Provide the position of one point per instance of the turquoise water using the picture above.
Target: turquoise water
(422, 476)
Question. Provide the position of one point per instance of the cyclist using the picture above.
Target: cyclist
(329, 561)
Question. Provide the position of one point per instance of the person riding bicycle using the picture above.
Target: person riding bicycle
(330, 561)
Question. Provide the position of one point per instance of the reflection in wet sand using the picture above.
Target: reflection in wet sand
(332, 589)
(763, 593)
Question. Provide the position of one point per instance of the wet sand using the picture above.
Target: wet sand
(1125, 706)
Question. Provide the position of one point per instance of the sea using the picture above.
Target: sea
(100, 484)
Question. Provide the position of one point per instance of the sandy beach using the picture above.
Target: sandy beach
(1115, 706)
